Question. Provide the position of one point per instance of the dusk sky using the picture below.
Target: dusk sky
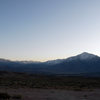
(42, 30)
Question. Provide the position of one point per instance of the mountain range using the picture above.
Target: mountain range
(84, 64)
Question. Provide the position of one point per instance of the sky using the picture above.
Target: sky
(41, 30)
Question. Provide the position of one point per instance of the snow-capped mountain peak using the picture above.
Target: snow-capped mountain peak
(83, 56)
(86, 56)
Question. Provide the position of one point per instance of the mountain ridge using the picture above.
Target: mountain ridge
(81, 63)
(81, 55)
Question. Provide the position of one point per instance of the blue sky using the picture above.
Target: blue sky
(48, 29)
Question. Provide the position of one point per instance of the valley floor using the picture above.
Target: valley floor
(21, 86)
(53, 94)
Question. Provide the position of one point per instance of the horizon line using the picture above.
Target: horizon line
(26, 60)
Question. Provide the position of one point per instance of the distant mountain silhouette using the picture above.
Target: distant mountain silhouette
(83, 64)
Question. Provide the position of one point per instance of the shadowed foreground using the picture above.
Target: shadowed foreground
(52, 94)
(21, 86)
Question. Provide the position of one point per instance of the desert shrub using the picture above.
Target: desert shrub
(77, 89)
(85, 96)
(4, 96)
(16, 97)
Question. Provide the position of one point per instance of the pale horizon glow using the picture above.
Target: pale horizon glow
(41, 30)
(44, 60)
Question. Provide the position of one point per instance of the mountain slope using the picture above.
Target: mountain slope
(80, 64)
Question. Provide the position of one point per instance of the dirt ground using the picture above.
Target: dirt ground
(53, 94)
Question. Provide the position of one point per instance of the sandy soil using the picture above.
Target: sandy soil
(51, 94)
